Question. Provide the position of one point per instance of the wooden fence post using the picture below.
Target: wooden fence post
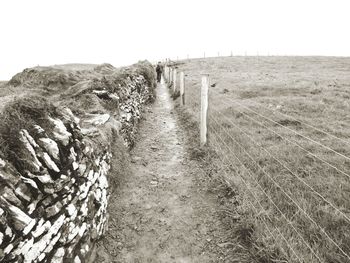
(164, 73)
(182, 88)
(174, 80)
(204, 109)
(167, 74)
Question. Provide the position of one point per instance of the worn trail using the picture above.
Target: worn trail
(161, 213)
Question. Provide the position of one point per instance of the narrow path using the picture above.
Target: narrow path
(160, 213)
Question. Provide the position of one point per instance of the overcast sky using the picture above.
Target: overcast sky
(47, 32)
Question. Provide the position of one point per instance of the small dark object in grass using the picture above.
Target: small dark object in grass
(287, 122)
(315, 91)
(197, 153)
(175, 95)
(225, 91)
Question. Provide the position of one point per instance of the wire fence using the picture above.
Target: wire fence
(297, 186)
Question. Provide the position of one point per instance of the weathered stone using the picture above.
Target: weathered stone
(51, 147)
(23, 192)
(48, 162)
(32, 206)
(75, 166)
(44, 178)
(24, 247)
(82, 229)
(77, 259)
(96, 119)
(2, 163)
(39, 130)
(102, 181)
(8, 249)
(98, 194)
(21, 221)
(49, 189)
(10, 179)
(53, 242)
(54, 209)
(29, 182)
(31, 155)
(41, 256)
(48, 200)
(82, 168)
(69, 116)
(39, 229)
(84, 189)
(30, 139)
(39, 246)
(58, 256)
(9, 195)
(8, 231)
(60, 132)
(71, 209)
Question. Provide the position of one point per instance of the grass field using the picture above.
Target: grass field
(281, 129)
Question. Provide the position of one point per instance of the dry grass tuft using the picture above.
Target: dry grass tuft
(22, 113)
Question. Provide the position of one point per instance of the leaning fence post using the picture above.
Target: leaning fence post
(174, 80)
(182, 88)
(204, 109)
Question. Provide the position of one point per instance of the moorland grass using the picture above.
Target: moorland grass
(294, 202)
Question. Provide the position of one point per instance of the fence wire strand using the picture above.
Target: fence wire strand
(285, 167)
(227, 162)
(220, 150)
(294, 131)
(290, 141)
(268, 196)
(286, 194)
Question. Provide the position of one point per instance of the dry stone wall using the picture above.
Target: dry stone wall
(54, 194)
(56, 208)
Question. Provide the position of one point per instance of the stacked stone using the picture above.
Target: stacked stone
(54, 196)
(54, 207)
(130, 98)
(131, 108)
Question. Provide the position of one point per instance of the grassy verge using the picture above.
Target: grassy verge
(292, 191)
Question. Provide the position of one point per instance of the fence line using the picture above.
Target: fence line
(306, 124)
(268, 196)
(285, 167)
(289, 197)
(293, 142)
(305, 137)
(257, 200)
(225, 161)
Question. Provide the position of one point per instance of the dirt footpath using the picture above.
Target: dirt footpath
(161, 213)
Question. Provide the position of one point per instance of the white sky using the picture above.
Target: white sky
(47, 32)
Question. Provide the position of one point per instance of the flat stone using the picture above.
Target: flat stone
(68, 115)
(58, 256)
(53, 210)
(96, 119)
(10, 196)
(49, 163)
(51, 147)
(21, 221)
(23, 192)
(41, 228)
(60, 132)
